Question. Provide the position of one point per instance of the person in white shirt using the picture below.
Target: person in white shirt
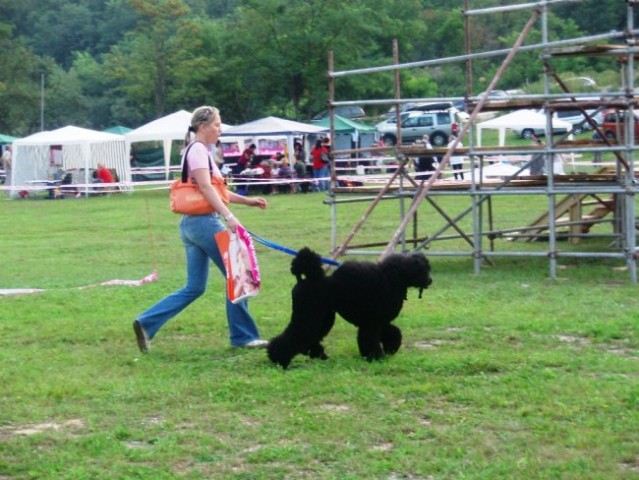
(456, 161)
(425, 163)
(6, 166)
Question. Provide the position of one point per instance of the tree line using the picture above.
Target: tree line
(97, 63)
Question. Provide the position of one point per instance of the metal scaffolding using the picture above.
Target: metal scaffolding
(620, 183)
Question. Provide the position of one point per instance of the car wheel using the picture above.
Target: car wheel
(389, 140)
(578, 130)
(437, 139)
(527, 133)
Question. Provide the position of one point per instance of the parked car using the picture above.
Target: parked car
(438, 125)
(404, 107)
(613, 124)
(496, 96)
(461, 116)
(577, 119)
(344, 111)
(430, 106)
(529, 132)
(533, 123)
(391, 122)
(582, 82)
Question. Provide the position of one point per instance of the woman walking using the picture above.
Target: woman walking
(197, 234)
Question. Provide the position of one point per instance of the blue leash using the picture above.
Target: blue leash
(290, 251)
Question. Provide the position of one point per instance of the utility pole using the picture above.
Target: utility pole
(42, 102)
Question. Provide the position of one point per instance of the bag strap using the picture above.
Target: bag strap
(185, 162)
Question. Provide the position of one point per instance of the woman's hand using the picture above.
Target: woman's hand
(257, 202)
(232, 224)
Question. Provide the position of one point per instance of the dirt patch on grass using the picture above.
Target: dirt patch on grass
(572, 339)
(407, 476)
(431, 344)
(623, 351)
(632, 465)
(33, 429)
(335, 408)
(382, 447)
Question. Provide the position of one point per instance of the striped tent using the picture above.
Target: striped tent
(37, 156)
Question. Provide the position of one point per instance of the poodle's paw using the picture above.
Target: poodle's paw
(318, 352)
(376, 354)
(391, 351)
(280, 352)
(391, 339)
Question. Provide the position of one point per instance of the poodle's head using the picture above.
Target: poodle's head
(307, 264)
(412, 269)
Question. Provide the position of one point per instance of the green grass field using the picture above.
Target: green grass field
(503, 375)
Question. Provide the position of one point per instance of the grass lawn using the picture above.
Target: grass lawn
(502, 375)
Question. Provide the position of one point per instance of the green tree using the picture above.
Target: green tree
(19, 85)
(65, 103)
(97, 91)
(60, 32)
(276, 51)
(144, 63)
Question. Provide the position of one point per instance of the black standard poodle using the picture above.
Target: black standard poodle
(368, 295)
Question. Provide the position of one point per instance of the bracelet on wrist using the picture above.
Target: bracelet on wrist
(229, 217)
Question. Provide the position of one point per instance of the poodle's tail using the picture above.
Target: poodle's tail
(307, 264)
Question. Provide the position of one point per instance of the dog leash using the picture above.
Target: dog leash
(281, 248)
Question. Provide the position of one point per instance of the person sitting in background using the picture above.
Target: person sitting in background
(298, 152)
(103, 175)
(300, 172)
(246, 159)
(266, 186)
(285, 173)
(275, 174)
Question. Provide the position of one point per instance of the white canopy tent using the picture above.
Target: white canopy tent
(273, 128)
(166, 130)
(502, 170)
(80, 149)
(518, 119)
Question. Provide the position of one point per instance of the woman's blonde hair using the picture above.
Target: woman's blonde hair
(201, 116)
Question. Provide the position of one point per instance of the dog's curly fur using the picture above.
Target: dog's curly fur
(368, 295)
(305, 332)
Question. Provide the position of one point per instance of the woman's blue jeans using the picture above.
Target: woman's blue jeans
(323, 172)
(198, 235)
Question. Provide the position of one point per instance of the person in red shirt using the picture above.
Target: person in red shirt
(319, 155)
(103, 175)
(246, 159)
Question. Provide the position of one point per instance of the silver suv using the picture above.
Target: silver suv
(438, 125)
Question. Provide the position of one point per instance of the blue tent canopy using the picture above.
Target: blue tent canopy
(7, 139)
(346, 125)
(118, 130)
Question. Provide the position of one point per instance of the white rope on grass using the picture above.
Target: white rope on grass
(152, 277)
